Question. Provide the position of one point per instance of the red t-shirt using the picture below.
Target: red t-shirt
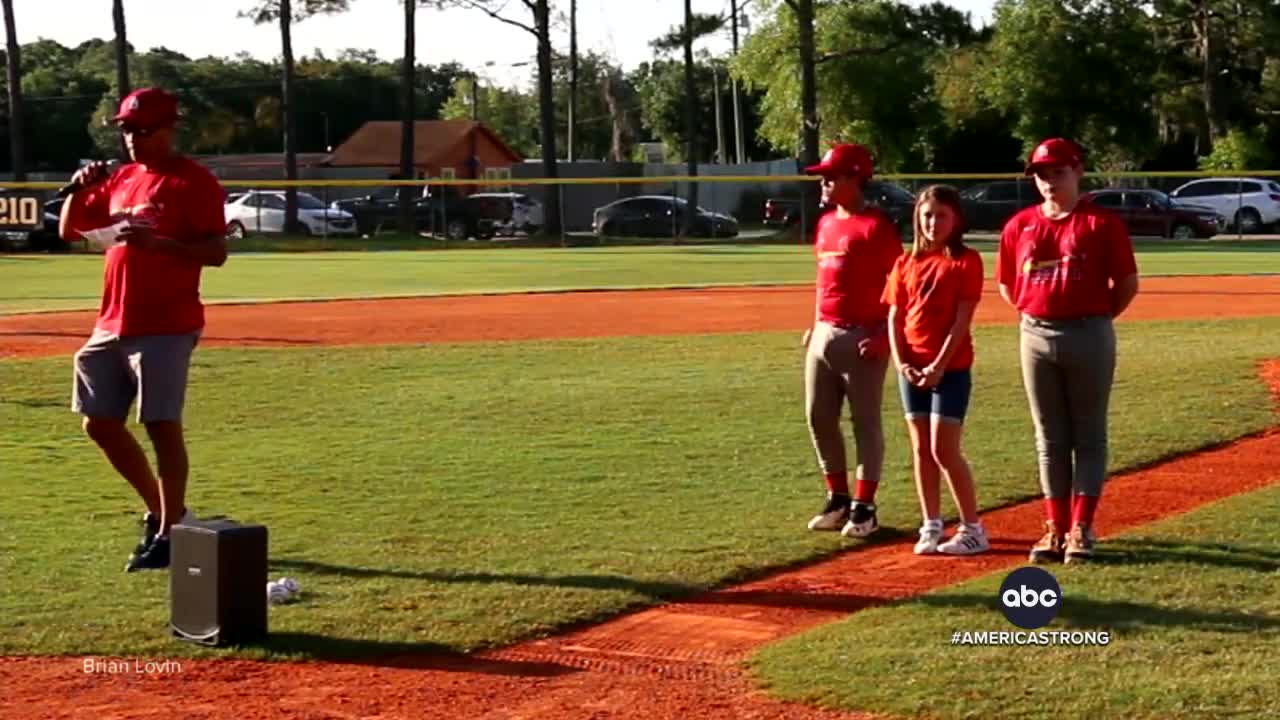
(927, 290)
(152, 292)
(1060, 269)
(855, 255)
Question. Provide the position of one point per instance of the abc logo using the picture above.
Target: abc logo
(1030, 597)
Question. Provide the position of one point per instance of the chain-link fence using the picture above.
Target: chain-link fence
(669, 209)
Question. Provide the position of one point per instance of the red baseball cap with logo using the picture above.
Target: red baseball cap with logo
(844, 159)
(1054, 151)
(148, 109)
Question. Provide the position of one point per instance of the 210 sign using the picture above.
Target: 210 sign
(21, 211)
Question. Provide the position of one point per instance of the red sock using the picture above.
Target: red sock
(1083, 508)
(838, 483)
(865, 491)
(1059, 511)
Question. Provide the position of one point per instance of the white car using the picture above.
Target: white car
(510, 212)
(1248, 204)
(263, 211)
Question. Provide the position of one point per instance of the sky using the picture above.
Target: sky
(618, 29)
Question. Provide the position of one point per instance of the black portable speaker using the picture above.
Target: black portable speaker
(218, 582)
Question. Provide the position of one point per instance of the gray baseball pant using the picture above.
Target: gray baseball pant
(1067, 369)
(834, 373)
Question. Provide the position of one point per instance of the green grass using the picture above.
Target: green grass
(42, 282)
(1191, 605)
(464, 496)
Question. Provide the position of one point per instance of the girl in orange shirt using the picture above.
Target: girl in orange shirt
(932, 293)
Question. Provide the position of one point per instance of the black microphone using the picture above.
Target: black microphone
(72, 187)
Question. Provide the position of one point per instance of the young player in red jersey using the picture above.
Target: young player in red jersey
(847, 348)
(1069, 269)
(932, 294)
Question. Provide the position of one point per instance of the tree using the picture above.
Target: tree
(122, 61)
(620, 96)
(873, 82)
(13, 68)
(283, 11)
(1106, 41)
(591, 115)
(804, 18)
(540, 28)
(1213, 54)
(572, 132)
(406, 205)
(695, 25)
(232, 104)
(510, 113)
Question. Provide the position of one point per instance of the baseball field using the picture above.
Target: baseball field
(573, 483)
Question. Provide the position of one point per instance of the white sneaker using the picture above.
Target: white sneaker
(930, 536)
(833, 515)
(968, 540)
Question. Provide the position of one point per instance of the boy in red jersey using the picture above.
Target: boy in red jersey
(170, 212)
(1068, 267)
(847, 348)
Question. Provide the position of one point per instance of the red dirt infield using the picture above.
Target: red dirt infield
(588, 314)
(673, 661)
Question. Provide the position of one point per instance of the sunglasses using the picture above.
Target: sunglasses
(137, 131)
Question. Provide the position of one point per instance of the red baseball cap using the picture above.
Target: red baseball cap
(844, 159)
(1054, 151)
(148, 109)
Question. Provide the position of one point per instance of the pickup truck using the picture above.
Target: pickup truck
(894, 200)
(453, 216)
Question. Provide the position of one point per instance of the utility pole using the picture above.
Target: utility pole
(573, 72)
(715, 95)
(475, 109)
(737, 109)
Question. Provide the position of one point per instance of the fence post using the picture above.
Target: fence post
(564, 226)
(1239, 208)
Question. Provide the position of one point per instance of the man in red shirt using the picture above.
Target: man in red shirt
(1068, 267)
(847, 348)
(168, 212)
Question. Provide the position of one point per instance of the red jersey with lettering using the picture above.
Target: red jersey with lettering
(1062, 269)
(927, 290)
(150, 292)
(855, 255)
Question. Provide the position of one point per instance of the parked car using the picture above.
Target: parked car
(989, 206)
(1153, 213)
(380, 210)
(658, 216)
(896, 201)
(509, 212)
(1249, 204)
(263, 211)
(456, 216)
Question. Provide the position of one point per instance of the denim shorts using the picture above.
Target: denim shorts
(948, 400)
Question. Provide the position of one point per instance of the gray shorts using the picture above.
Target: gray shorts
(110, 371)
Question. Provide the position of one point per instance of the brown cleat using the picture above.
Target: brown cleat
(1050, 548)
(1080, 542)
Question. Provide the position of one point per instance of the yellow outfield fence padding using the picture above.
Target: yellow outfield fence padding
(667, 179)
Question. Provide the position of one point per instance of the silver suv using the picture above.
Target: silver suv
(1249, 204)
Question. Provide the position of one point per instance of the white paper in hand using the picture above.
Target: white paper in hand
(105, 238)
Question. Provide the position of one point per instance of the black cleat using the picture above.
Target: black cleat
(862, 521)
(151, 528)
(154, 557)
